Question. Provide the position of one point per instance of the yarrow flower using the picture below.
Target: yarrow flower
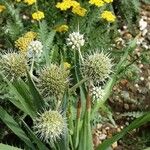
(13, 65)
(66, 4)
(75, 40)
(30, 2)
(35, 48)
(97, 93)
(38, 15)
(76, 8)
(49, 125)
(23, 42)
(97, 67)
(62, 28)
(2, 8)
(98, 3)
(107, 15)
(53, 81)
(79, 11)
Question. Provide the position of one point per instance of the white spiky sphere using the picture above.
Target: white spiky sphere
(97, 67)
(49, 125)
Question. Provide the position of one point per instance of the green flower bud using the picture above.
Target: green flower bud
(53, 81)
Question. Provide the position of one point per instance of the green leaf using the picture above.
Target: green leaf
(135, 124)
(14, 126)
(37, 99)
(21, 93)
(40, 145)
(8, 147)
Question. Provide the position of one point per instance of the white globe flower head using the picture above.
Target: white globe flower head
(97, 93)
(75, 40)
(35, 49)
(49, 125)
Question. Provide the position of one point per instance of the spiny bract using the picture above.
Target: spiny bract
(97, 67)
(13, 65)
(53, 80)
(49, 125)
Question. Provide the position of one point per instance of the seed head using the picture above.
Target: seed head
(53, 81)
(97, 67)
(49, 125)
(13, 65)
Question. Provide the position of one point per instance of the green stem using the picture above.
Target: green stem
(32, 65)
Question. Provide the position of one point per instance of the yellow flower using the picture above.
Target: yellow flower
(30, 2)
(79, 11)
(23, 42)
(30, 35)
(98, 3)
(66, 65)
(38, 15)
(108, 1)
(18, 1)
(108, 16)
(62, 28)
(66, 4)
(2, 8)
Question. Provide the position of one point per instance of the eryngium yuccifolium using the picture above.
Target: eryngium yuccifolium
(97, 93)
(13, 65)
(35, 48)
(49, 125)
(53, 80)
(97, 67)
(75, 40)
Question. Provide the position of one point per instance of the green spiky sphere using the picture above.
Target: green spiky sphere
(49, 125)
(13, 65)
(53, 81)
(97, 67)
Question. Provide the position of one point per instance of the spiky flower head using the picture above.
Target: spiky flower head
(97, 67)
(13, 65)
(97, 93)
(35, 48)
(53, 80)
(49, 125)
(75, 40)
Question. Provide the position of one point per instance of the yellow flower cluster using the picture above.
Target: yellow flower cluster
(30, 2)
(99, 3)
(62, 28)
(107, 15)
(23, 42)
(79, 11)
(76, 8)
(38, 15)
(66, 65)
(2, 8)
(66, 4)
